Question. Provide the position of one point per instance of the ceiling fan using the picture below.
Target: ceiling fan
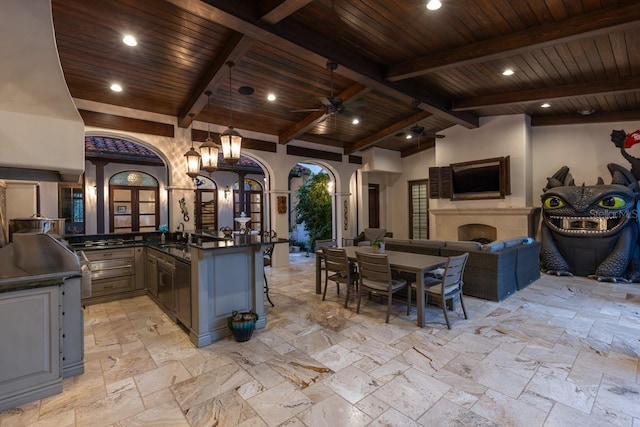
(333, 105)
(417, 131)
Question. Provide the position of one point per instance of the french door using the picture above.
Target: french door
(133, 209)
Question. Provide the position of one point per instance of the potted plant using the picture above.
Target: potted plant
(377, 246)
(242, 324)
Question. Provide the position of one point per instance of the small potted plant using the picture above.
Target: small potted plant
(377, 246)
(242, 324)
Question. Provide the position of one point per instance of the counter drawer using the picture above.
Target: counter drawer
(112, 268)
(103, 254)
(112, 286)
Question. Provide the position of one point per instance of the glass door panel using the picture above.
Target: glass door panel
(71, 207)
(133, 209)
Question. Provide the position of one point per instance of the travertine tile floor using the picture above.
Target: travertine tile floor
(563, 352)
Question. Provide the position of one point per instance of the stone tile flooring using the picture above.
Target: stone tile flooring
(563, 352)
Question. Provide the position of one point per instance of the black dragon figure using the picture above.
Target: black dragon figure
(591, 230)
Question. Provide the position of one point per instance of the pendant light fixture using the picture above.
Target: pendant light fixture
(209, 150)
(193, 160)
(230, 139)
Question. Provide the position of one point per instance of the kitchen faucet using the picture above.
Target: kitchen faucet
(180, 227)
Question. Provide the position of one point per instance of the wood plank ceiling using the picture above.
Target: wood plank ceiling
(398, 63)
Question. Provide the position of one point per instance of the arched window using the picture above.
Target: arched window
(133, 202)
(206, 204)
(251, 195)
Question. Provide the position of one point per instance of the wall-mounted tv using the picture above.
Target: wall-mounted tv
(480, 179)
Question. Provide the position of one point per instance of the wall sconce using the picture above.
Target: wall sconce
(227, 191)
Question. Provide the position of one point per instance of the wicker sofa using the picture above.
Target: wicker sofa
(494, 271)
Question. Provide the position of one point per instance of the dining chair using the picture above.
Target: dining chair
(266, 258)
(375, 277)
(338, 269)
(448, 286)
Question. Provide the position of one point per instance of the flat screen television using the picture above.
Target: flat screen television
(480, 179)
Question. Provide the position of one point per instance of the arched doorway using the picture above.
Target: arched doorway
(107, 155)
(312, 205)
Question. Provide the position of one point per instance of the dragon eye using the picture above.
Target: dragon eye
(553, 203)
(613, 202)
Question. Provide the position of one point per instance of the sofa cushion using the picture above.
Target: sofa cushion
(515, 241)
(463, 245)
(428, 243)
(496, 246)
(398, 242)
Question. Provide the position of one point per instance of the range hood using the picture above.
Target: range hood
(41, 130)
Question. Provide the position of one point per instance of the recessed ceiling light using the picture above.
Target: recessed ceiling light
(245, 90)
(508, 72)
(116, 87)
(409, 136)
(545, 105)
(129, 40)
(586, 112)
(271, 97)
(355, 121)
(434, 5)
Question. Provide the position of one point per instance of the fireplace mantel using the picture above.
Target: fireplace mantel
(509, 222)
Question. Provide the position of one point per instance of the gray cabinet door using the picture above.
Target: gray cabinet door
(139, 267)
(182, 283)
(151, 272)
(30, 357)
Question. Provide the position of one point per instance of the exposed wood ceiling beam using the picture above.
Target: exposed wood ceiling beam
(372, 140)
(313, 47)
(572, 119)
(234, 49)
(603, 87)
(616, 18)
(350, 94)
(274, 11)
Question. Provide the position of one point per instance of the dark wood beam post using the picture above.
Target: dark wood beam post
(99, 194)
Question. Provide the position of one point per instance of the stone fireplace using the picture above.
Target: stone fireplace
(482, 223)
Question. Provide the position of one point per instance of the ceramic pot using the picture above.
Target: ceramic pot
(242, 325)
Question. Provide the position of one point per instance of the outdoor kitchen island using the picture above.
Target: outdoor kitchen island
(198, 282)
(226, 275)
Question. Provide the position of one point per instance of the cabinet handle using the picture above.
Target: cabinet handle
(116, 267)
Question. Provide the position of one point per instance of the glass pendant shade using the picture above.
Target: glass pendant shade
(209, 153)
(193, 162)
(231, 141)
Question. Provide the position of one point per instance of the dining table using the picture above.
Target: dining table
(417, 264)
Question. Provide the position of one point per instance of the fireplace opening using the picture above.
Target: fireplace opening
(481, 233)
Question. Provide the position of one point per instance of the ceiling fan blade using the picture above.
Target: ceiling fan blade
(331, 101)
(307, 110)
(325, 101)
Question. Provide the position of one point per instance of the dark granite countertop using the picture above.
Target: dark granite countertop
(173, 245)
